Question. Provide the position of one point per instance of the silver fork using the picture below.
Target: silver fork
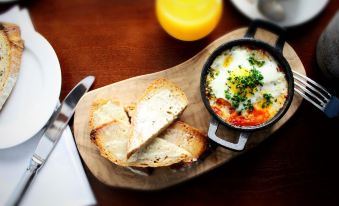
(316, 94)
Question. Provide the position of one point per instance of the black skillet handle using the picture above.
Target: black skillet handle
(279, 44)
(240, 145)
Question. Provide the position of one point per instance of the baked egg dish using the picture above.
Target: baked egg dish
(246, 86)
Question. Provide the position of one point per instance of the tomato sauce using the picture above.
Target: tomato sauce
(254, 118)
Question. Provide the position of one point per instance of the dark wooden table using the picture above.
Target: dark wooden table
(118, 39)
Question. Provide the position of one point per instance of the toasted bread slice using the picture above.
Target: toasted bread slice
(186, 137)
(112, 140)
(158, 153)
(159, 106)
(104, 111)
(181, 134)
(11, 47)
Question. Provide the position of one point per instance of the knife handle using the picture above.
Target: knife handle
(24, 183)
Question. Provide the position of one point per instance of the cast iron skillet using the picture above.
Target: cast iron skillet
(277, 53)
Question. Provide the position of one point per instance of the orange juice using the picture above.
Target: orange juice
(188, 20)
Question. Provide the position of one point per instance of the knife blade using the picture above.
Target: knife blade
(50, 137)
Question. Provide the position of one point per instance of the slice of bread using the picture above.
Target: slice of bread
(158, 107)
(104, 111)
(158, 153)
(186, 137)
(182, 135)
(112, 139)
(11, 47)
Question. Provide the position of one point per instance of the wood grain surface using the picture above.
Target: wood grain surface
(118, 39)
(187, 77)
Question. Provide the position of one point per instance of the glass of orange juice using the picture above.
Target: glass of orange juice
(188, 20)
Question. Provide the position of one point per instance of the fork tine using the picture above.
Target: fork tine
(308, 99)
(310, 93)
(313, 83)
(307, 85)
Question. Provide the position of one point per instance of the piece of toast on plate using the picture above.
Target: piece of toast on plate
(112, 139)
(179, 142)
(110, 132)
(11, 47)
(158, 107)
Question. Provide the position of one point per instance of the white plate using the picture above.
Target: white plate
(297, 11)
(35, 94)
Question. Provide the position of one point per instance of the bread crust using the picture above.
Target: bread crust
(161, 84)
(16, 46)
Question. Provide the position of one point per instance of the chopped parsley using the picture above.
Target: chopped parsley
(228, 95)
(246, 84)
(237, 99)
(267, 100)
(255, 62)
(213, 72)
(248, 105)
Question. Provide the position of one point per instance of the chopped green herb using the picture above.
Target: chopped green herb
(245, 85)
(255, 62)
(210, 72)
(267, 100)
(213, 72)
(248, 105)
(228, 95)
(248, 82)
(237, 99)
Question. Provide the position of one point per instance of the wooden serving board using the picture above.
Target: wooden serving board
(187, 76)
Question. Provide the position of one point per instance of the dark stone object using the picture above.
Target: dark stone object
(328, 49)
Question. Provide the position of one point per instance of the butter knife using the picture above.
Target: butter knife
(50, 137)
